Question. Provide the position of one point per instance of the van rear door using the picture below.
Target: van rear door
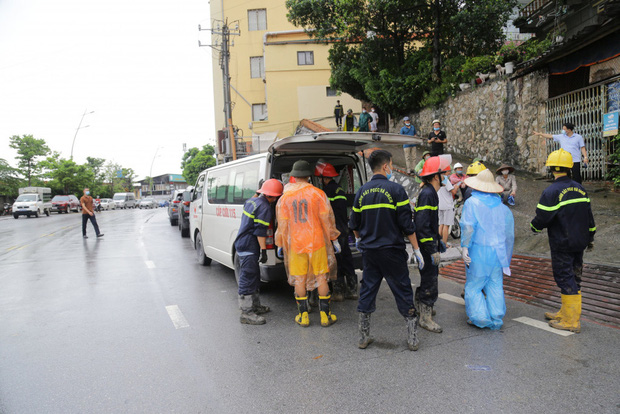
(339, 142)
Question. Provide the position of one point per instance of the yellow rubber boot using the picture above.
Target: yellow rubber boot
(572, 313)
(559, 315)
(302, 305)
(327, 317)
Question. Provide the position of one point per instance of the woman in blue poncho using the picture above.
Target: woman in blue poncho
(487, 239)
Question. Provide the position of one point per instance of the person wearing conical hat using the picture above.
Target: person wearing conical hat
(508, 181)
(487, 239)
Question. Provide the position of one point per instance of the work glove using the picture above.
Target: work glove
(418, 255)
(442, 246)
(506, 271)
(337, 248)
(280, 253)
(465, 255)
(357, 243)
(590, 246)
(436, 258)
(263, 256)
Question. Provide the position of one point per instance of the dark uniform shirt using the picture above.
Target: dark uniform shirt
(339, 111)
(436, 147)
(564, 209)
(382, 214)
(338, 199)
(426, 219)
(254, 223)
(467, 193)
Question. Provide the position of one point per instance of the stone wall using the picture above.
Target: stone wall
(494, 121)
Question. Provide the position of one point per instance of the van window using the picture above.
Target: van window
(233, 185)
(199, 187)
(217, 186)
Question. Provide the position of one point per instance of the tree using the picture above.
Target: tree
(28, 150)
(67, 177)
(96, 166)
(9, 183)
(195, 161)
(392, 52)
(117, 178)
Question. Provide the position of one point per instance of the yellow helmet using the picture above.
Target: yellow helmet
(475, 168)
(560, 158)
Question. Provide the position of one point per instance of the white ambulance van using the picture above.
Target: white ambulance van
(220, 192)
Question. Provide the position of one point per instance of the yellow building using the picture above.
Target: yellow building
(279, 75)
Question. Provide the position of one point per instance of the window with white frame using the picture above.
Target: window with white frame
(305, 58)
(257, 67)
(259, 112)
(257, 19)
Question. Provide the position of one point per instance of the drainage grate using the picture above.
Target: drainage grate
(532, 282)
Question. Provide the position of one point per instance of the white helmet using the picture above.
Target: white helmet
(458, 165)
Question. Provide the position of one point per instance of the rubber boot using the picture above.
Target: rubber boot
(572, 313)
(313, 299)
(412, 333)
(559, 315)
(327, 317)
(256, 306)
(247, 314)
(416, 301)
(338, 292)
(302, 305)
(426, 319)
(351, 291)
(364, 329)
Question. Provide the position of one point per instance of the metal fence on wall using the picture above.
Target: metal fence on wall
(585, 109)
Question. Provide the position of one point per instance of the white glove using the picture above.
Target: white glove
(337, 248)
(506, 271)
(465, 255)
(357, 243)
(418, 256)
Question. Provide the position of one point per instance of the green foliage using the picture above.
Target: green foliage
(114, 183)
(9, 182)
(66, 176)
(473, 65)
(534, 48)
(195, 161)
(613, 172)
(28, 150)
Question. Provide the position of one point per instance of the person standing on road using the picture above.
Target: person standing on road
(508, 181)
(436, 139)
(473, 170)
(251, 247)
(381, 217)
(365, 120)
(345, 286)
(458, 179)
(88, 213)
(338, 114)
(564, 210)
(487, 239)
(574, 144)
(374, 120)
(446, 205)
(409, 149)
(418, 168)
(308, 241)
(427, 226)
(350, 121)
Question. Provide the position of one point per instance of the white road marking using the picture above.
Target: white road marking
(541, 325)
(451, 298)
(177, 317)
(150, 264)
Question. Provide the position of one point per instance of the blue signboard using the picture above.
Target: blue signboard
(610, 124)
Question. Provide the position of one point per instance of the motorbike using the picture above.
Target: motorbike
(8, 209)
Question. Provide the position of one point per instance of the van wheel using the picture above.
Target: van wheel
(237, 266)
(203, 260)
(15, 216)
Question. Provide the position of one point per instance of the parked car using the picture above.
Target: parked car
(108, 204)
(184, 211)
(147, 203)
(65, 204)
(220, 191)
(125, 200)
(173, 207)
(33, 201)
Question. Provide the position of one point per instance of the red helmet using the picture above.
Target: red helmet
(325, 169)
(272, 188)
(434, 165)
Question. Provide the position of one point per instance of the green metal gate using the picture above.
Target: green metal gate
(584, 108)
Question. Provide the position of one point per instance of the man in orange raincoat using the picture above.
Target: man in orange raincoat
(308, 239)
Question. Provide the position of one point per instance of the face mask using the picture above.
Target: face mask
(363, 111)
(372, 110)
(88, 193)
(407, 123)
(459, 172)
(505, 172)
(444, 181)
(436, 129)
(389, 175)
(564, 133)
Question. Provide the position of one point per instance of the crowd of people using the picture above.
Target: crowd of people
(313, 226)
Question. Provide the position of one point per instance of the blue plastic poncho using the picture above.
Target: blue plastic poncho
(487, 228)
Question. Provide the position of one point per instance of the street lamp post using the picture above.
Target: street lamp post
(151, 172)
(78, 128)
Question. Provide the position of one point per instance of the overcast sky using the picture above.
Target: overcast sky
(136, 63)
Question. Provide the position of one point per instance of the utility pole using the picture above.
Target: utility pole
(223, 29)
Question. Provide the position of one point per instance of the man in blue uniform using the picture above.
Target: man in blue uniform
(564, 209)
(345, 285)
(251, 248)
(426, 220)
(381, 218)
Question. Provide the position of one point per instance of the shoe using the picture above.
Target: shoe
(302, 306)
(100, 235)
(327, 317)
(570, 316)
(85, 237)
(413, 343)
(363, 325)
(256, 306)
(338, 292)
(350, 291)
(426, 319)
(248, 316)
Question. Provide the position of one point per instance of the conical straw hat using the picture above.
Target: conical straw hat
(484, 182)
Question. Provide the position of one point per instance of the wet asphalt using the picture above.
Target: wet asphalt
(85, 328)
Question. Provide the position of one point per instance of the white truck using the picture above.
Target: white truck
(33, 201)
